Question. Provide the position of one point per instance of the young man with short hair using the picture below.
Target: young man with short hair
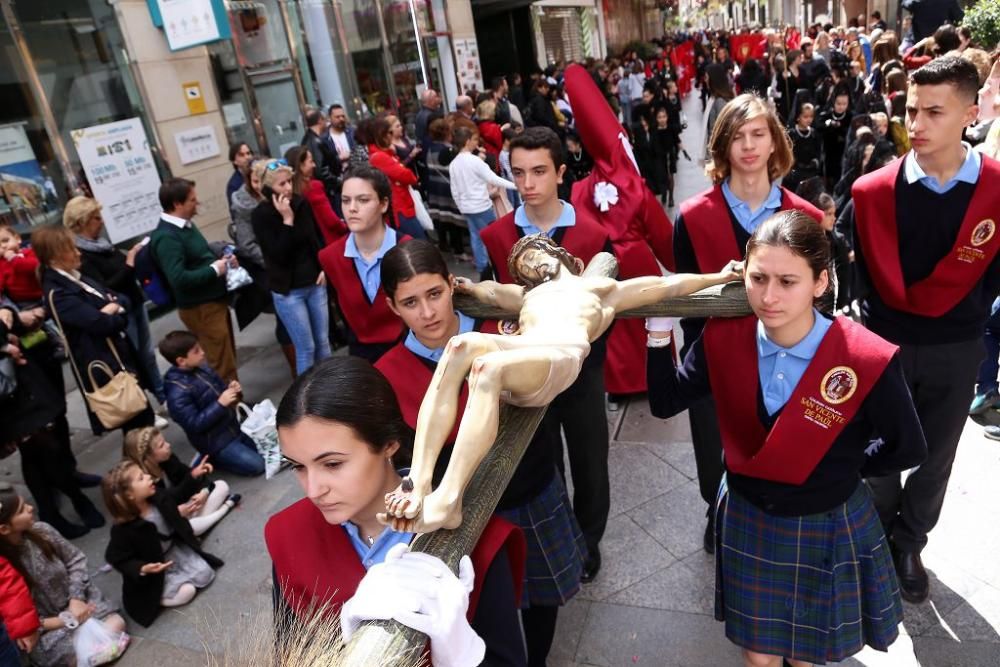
(197, 279)
(240, 155)
(926, 255)
(537, 163)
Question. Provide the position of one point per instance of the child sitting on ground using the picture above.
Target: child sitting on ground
(201, 501)
(155, 550)
(205, 406)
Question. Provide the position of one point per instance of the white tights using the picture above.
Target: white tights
(214, 509)
(184, 595)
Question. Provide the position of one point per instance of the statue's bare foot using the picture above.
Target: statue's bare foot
(405, 501)
(438, 513)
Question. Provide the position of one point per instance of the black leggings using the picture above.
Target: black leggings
(48, 466)
(539, 630)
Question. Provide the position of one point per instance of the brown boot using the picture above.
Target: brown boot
(289, 351)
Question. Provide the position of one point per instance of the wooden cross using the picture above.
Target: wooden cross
(376, 642)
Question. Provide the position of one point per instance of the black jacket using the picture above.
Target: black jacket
(35, 402)
(290, 252)
(136, 543)
(109, 269)
(88, 331)
(182, 484)
(929, 15)
(327, 162)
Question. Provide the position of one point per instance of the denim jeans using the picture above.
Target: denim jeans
(477, 223)
(9, 654)
(240, 456)
(306, 316)
(142, 341)
(411, 227)
(988, 370)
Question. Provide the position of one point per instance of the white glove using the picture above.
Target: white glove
(379, 595)
(660, 324)
(444, 601)
(421, 592)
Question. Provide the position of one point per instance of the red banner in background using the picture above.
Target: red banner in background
(682, 57)
(744, 47)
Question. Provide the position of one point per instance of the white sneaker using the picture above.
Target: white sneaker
(160, 423)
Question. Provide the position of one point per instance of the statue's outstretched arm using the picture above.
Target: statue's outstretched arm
(507, 297)
(648, 290)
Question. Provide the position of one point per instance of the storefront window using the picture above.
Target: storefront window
(362, 26)
(75, 49)
(406, 48)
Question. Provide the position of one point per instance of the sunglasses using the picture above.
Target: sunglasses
(276, 164)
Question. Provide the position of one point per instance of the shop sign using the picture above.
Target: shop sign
(197, 144)
(470, 76)
(23, 184)
(192, 95)
(188, 23)
(122, 175)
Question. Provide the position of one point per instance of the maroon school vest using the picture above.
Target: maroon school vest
(957, 272)
(410, 377)
(847, 364)
(315, 563)
(709, 226)
(583, 240)
(371, 322)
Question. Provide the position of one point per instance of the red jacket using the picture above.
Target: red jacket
(17, 609)
(401, 178)
(19, 277)
(329, 224)
(492, 136)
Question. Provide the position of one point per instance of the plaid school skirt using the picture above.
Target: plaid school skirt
(815, 588)
(556, 548)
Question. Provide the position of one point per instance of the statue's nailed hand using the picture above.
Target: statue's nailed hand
(463, 285)
(732, 271)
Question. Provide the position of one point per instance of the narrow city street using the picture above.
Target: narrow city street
(652, 602)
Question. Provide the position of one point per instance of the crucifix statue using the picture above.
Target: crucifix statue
(562, 309)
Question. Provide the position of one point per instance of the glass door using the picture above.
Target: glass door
(268, 71)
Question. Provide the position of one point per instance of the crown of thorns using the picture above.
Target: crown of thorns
(543, 243)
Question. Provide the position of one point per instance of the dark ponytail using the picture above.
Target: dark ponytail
(349, 391)
(410, 259)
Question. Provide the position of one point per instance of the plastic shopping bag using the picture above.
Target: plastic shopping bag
(259, 425)
(95, 644)
(422, 215)
(237, 278)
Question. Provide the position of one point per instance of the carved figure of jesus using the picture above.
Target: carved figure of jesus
(561, 310)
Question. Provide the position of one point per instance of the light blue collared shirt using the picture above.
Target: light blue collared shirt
(781, 368)
(465, 325)
(373, 554)
(371, 274)
(566, 219)
(750, 220)
(968, 172)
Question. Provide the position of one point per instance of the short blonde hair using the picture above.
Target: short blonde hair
(487, 110)
(737, 112)
(270, 172)
(78, 211)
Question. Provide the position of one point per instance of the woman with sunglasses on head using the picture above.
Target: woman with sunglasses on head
(353, 263)
(341, 428)
(418, 288)
(812, 405)
(242, 205)
(290, 242)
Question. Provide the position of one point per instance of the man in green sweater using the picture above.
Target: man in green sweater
(196, 278)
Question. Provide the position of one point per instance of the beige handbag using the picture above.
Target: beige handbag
(116, 402)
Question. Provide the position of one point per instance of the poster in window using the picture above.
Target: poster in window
(24, 185)
(122, 175)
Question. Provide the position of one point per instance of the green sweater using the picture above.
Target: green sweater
(186, 260)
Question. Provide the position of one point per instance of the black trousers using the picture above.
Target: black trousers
(707, 443)
(941, 380)
(47, 465)
(579, 411)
